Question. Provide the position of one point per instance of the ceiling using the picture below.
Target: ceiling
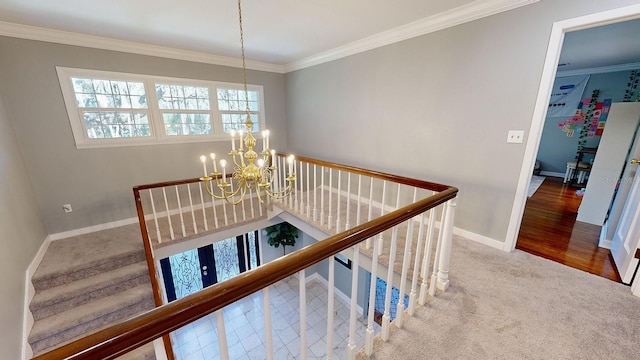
(284, 33)
(602, 47)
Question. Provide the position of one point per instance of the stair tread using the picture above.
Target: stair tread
(83, 251)
(80, 287)
(88, 312)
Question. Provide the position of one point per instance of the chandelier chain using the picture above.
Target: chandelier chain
(244, 65)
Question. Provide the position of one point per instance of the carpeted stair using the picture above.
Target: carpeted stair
(86, 283)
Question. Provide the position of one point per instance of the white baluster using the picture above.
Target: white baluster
(293, 200)
(155, 216)
(253, 215)
(268, 332)
(244, 212)
(322, 196)
(339, 213)
(301, 205)
(260, 205)
(416, 271)
(384, 194)
(193, 213)
(436, 261)
(308, 194)
(166, 206)
(184, 231)
(222, 336)
(408, 242)
(233, 198)
(315, 193)
(330, 308)
(351, 346)
(329, 220)
(386, 318)
(303, 314)
(426, 259)
(370, 215)
(224, 212)
(204, 212)
(347, 224)
(372, 300)
(213, 206)
(359, 200)
(447, 237)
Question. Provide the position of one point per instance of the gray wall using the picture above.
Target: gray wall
(436, 107)
(21, 234)
(98, 182)
(555, 147)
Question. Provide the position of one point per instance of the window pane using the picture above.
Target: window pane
(95, 93)
(253, 251)
(237, 122)
(225, 253)
(186, 124)
(101, 125)
(182, 97)
(185, 271)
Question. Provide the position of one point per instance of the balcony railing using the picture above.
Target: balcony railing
(386, 224)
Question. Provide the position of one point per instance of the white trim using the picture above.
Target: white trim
(98, 42)
(600, 69)
(91, 229)
(635, 286)
(29, 292)
(157, 133)
(484, 240)
(346, 301)
(460, 15)
(544, 92)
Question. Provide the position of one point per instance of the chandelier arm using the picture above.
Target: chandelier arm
(228, 196)
(235, 161)
(281, 194)
(210, 190)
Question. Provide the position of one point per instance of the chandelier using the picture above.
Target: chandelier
(251, 171)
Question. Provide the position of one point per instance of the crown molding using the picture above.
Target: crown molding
(475, 10)
(104, 43)
(466, 13)
(600, 69)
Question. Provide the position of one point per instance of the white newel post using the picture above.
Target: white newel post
(447, 238)
(222, 336)
(268, 327)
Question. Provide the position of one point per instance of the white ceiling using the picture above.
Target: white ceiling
(284, 33)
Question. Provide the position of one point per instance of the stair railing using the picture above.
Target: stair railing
(365, 229)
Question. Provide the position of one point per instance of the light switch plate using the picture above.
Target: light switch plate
(515, 136)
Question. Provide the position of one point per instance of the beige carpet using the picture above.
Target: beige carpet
(518, 306)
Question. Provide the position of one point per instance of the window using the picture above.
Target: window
(119, 109)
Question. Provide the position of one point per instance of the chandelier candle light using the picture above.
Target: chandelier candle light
(251, 171)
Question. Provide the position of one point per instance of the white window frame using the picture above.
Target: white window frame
(156, 124)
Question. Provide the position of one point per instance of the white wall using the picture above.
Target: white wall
(437, 107)
(21, 234)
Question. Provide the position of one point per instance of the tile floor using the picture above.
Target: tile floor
(244, 324)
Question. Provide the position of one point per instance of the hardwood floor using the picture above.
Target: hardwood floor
(549, 229)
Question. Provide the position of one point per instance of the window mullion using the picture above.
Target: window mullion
(155, 114)
(216, 117)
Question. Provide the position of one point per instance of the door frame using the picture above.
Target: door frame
(549, 70)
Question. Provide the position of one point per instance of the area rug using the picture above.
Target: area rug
(535, 183)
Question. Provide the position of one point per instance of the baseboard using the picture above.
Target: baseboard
(496, 244)
(94, 228)
(552, 174)
(342, 296)
(29, 292)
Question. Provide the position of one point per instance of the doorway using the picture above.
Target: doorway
(195, 269)
(544, 93)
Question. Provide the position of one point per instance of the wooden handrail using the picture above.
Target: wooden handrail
(121, 338)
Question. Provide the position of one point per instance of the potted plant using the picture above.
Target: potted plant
(283, 234)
